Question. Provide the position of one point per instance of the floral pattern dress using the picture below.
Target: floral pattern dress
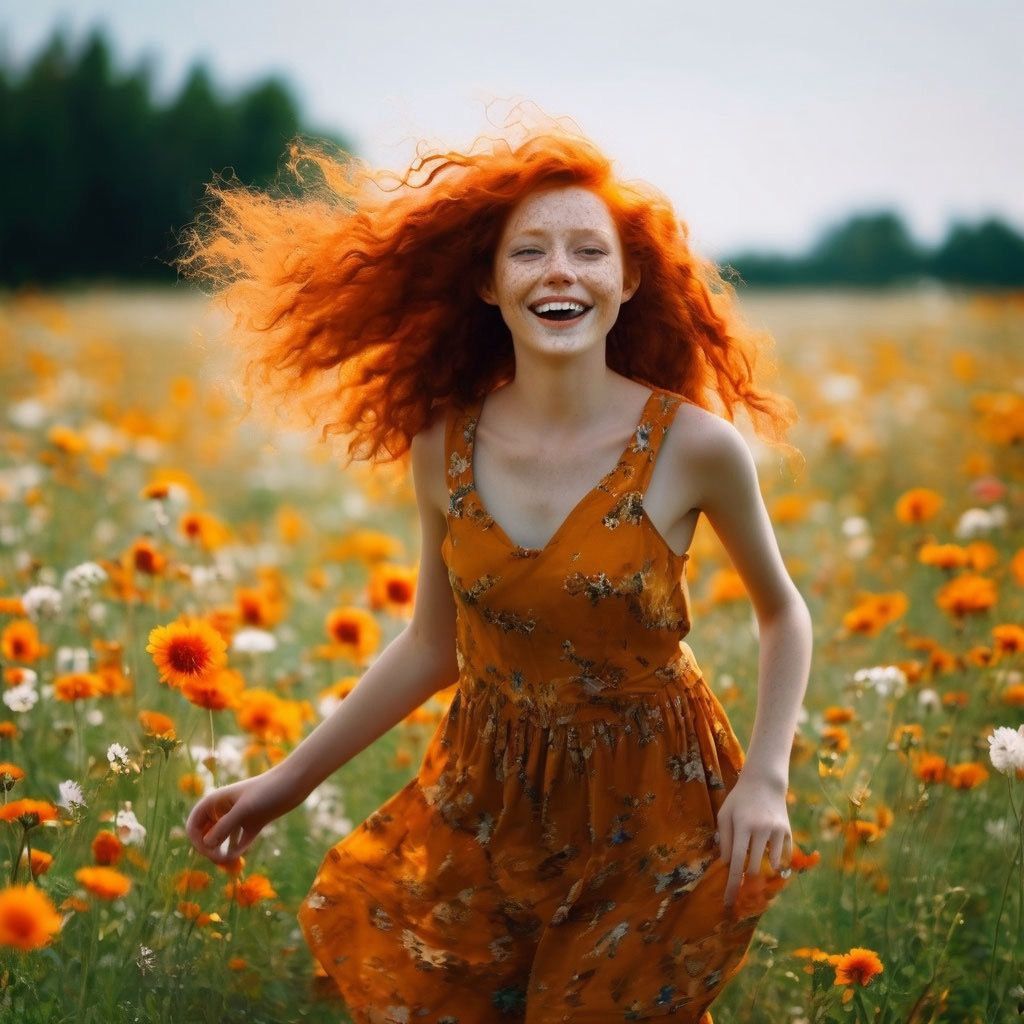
(556, 858)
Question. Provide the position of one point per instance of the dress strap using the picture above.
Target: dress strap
(459, 424)
(642, 451)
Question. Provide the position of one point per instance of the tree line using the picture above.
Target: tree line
(97, 178)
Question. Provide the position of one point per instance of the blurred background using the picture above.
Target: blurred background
(804, 144)
(859, 169)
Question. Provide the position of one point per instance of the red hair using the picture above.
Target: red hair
(355, 304)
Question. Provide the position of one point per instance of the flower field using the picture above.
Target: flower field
(185, 595)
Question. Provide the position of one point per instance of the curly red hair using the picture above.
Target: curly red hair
(355, 304)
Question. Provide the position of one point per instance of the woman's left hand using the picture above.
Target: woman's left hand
(754, 814)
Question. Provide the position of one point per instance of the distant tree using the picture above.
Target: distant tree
(96, 180)
(990, 253)
(868, 249)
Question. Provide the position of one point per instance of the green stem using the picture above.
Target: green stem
(1002, 904)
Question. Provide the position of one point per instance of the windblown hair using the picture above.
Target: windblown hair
(355, 305)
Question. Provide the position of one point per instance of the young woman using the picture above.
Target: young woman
(580, 843)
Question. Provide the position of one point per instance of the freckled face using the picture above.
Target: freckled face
(562, 244)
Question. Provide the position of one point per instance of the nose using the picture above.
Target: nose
(559, 267)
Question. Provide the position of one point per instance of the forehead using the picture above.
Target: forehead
(568, 206)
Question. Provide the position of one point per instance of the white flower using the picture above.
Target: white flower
(117, 755)
(84, 577)
(21, 698)
(254, 641)
(979, 520)
(94, 716)
(72, 659)
(1006, 749)
(839, 387)
(859, 547)
(928, 699)
(145, 959)
(884, 679)
(855, 526)
(27, 414)
(42, 602)
(128, 828)
(71, 795)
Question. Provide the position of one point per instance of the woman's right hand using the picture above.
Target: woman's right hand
(238, 812)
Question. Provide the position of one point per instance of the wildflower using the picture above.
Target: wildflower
(1006, 749)
(392, 588)
(80, 582)
(19, 641)
(74, 686)
(21, 698)
(354, 631)
(918, 505)
(106, 847)
(107, 883)
(883, 679)
(217, 692)
(28, 813)
(41, 602)
(252, 890)
(980, 520)
(966, 594)
(857, 967)
(186, 650)
(129, 831)
(71, 795)
(118, 757)
(254, 641)
(28, 920)
(9, 775)
(145, 959)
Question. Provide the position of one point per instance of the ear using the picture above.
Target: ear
(630, 284)
(486, 292)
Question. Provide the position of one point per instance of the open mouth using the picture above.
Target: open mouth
(560, 312)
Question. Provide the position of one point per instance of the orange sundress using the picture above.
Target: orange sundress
(556, 857)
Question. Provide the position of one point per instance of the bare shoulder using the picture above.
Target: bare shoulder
(427, 454)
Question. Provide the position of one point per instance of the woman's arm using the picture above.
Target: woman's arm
(417, 663)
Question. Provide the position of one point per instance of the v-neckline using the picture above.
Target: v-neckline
(563, 525)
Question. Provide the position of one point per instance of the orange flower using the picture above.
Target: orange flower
(20, 641)
(857, 967)
(1013, 695)
(144, 557)
(259, 606)
(875, 611)
(918, 505)
(838, 715)
(9, 775)
(726, 585)
(11, 606)
(28, 920)
(72, 686)
(835, 738)
(967, 594)
(1017, 566)
(967, 775)
(252, 890)
(1009, 638)
(930, 767)
(267, 716)
(354, 631)
(107, 883)
(191, 881)
(215, 692)
(944, 556)
(188, 650)
(367, 546)
(66, 439)
(156, 724)
(982, 555)
(392, 588)
(291, 524)
(106, 848)
(41, 861)
(203, 529)
(28, 812)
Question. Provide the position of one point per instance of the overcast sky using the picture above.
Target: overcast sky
(763, 122)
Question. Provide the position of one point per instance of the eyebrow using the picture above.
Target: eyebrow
(574, 231)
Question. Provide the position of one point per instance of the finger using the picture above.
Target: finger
(725, 837)
(758, 843)
(736, 859)
(777, 850)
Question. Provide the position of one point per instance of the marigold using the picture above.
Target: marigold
(11, 606)
(9, 775)
(107, 883)
(267, 716)
(250, 891)
(857, 967)
(106, 847)
(392, 588)
(967, 775)
(259, 606)
(1009, 638)
(188, 650)
(28, 919)
(966, 595)
(918, 505)
(19, 641)
(981, 555)
(930, 767)
(72, 686)
(144, 557)
(39, 863)
(217, 692)
(28, 812)
(943, 556)
(354, 632)
(368, 546)
(726, 585)
(204, 529)
(191, 881)
(154, 723)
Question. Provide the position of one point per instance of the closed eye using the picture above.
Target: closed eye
(589, 250)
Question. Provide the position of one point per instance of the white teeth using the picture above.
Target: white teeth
(547, 307)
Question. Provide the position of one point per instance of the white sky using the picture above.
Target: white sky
(763, 122)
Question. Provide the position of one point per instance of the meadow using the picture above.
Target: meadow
(135, 495)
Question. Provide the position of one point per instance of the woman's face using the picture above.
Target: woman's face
(559, 244)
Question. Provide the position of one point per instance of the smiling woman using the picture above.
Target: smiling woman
(578, 843)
